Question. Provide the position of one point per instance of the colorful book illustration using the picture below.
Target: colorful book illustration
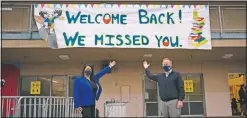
(195, 37)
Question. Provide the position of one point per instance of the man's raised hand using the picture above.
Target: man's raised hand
(146, 64)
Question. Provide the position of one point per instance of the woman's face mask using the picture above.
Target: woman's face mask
(88, 72)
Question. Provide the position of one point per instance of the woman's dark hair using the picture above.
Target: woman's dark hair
(92, 74)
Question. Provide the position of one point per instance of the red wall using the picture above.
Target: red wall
(10, 73)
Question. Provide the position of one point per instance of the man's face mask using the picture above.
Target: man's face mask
(88, 72)
(167, 68)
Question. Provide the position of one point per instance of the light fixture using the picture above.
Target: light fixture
(227, 56)
(54, 81)
(147, 55)
(64, 57)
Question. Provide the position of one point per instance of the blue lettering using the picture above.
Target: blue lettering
(166, 41)
(119, 19)
(158, 39)
(153, 19)
(96, 18)
(161, 15)
(81, 40)
(136, 40)
(144, 18)
(97, 38)
(143, 15)
(72, 18)
(145, 40)
(119, 38)
(115, 17)
(110, 40)
(83, 19)
(169, 18)
(90, 20)
(128, 39)
(123, 19)
(70, 41)
(174, 44)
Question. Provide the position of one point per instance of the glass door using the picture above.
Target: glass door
(59, 88)
(150, 98)
(25, 85)
(60, 85)
(194, 104)
(194, 100)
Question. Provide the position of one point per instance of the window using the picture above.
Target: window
(214, 19)
(150, 91)
(17, 19)
(50, 85)
(45, 85)
(26, 83)
(59, 86)
(234, 19)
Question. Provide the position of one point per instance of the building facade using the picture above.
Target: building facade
(26, 57)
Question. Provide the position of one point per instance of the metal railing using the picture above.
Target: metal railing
(40, 106)
(219, 29)
(48, 106)
(117, 108)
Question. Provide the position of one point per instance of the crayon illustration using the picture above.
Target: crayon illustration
(195, 38)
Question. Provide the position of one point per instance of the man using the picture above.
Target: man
(245, 112)
(171, 88)
(242, 95)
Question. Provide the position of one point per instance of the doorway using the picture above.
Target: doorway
(235, 80)
(194, 103)
(10, 73)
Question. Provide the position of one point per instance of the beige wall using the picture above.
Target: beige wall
(130, 73)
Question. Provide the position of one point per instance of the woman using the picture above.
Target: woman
(242, 95)
(87, 89)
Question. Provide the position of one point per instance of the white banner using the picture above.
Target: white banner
(124, 26)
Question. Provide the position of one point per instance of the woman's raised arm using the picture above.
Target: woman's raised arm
(105, 70)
